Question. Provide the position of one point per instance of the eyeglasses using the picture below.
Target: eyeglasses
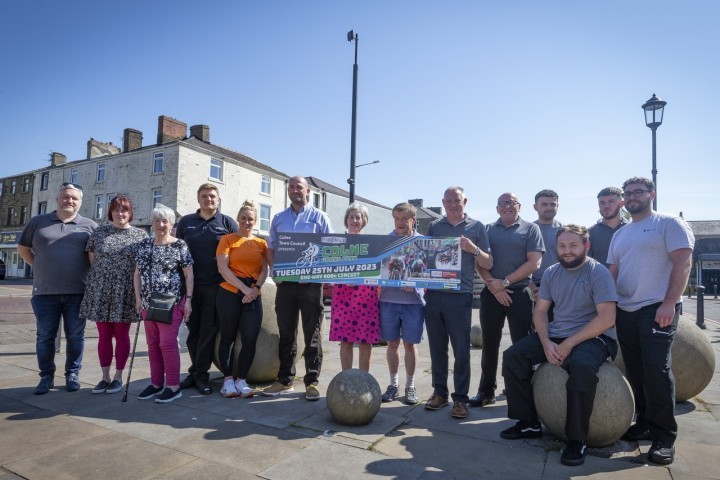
(509, 203)
(67, 185)
(635, 193)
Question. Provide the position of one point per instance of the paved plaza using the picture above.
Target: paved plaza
(78, 435)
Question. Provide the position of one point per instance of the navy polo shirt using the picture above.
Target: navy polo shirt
(510, 246)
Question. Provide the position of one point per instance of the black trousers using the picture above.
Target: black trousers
(202, 330)
(582, 366)
(234, 316)
(492, 322)
(304, 299)
(646, 350)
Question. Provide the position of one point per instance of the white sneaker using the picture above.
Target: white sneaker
(228, 389)
(243, 389)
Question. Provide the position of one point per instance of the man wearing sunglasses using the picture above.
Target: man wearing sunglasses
(517, 248)
(650, 259)
(54, 245)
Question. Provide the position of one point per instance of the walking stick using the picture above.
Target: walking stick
(132, 357)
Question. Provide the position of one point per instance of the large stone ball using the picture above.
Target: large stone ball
(613, 409)
(693, 360)
(353, 397)
(267, 362)
(476, 338)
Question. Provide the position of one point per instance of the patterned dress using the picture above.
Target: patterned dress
(354, 314)
(109, 295)
(167, 262)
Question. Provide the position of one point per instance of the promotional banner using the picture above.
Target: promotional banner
(383, 260)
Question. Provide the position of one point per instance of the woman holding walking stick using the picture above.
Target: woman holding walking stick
(163, 270)
(241, 262)
(109, 298)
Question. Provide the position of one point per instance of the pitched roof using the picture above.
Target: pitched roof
(328, 187)
(232, 154)
(705, 228)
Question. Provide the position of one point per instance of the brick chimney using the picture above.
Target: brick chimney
(132, 139)
(417, 202)
(201, 132)
(57, 159)
(96, 148)
(170, 129)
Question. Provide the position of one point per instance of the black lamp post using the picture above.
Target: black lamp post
(351, 181)
(654, 109)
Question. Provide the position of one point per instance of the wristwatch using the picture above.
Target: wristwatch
(505, 282)
(477, 252)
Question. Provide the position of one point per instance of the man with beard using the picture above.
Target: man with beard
(54, 245)
(610, 202)
(581, 337)
(517, 248)
(448, 312)
(293, 298)
(202, 231)
(650, 259)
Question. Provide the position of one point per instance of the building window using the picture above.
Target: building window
(42, 208)
(101, 172)
(2, 184)
(11, 213)
(265, 211)
(44, 180)
(99, 206)
(157, 197)
(26, 184)
(316, 200)
(158, 160)
(265, 185)
(74, 175)
(23, 215)
(216, 169)
(13, 185)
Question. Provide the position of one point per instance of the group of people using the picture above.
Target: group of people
(570, 296)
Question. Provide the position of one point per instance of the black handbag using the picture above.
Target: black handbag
(160, 306)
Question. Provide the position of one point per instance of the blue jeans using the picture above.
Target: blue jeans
(48, 309)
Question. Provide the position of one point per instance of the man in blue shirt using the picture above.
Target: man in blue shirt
(202, 231)
(293, 298)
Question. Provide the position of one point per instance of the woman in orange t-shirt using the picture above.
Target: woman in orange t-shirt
(242, 263)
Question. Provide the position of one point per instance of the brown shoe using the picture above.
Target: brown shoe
(436, 402)
(459, 410)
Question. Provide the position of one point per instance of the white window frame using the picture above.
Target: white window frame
(264, 220)
(42, 208)
(13, 186)
(99, 206)
(157, 195)
(73, 175)
(216, 165)
(44, 180)
(23, 215)
(265, 185)
(158, 162)
(26, 184)
(100, 177)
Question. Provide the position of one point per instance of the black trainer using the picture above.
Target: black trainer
(637, 432)
(188, 382)
(100, 387)
(149, 392)
(46, 383)
(390, 394)
(482, 399)
(660, 453)
(574, 453)
(168, 396)
(522, 429)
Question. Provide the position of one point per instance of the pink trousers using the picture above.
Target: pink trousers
(121, 333)
(163, 350)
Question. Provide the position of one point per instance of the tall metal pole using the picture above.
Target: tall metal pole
(351, 180)
(654, 168)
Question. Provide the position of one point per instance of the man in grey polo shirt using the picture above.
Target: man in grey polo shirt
(448, 313)
(517, 247)
(610, 202)
(546, 205)
(54, 245)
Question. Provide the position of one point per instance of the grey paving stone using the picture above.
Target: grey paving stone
(603, 469)
(695, 459)
(204, 469)
(349, 463)
(372, 432)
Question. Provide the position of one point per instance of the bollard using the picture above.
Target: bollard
(700, 311)
(715, 291)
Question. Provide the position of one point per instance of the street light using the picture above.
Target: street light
(654, 109)
(351, 181)
(369, 163)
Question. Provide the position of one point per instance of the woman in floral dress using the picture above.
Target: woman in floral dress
(354, 308)
(164, 265)
(109, 298)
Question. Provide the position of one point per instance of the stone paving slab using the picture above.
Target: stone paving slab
(200, 469)
(381, 425)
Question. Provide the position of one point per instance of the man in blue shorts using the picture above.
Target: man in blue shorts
(401, 316)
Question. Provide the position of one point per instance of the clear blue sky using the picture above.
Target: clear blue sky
(493, 96)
